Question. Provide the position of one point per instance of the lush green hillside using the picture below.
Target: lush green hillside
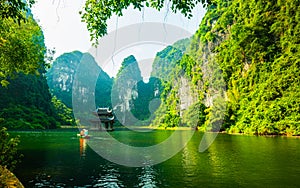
(25, 100)
(256, 46)
(166, 67)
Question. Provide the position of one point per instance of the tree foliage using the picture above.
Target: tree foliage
(171, 66)
(256, 45)
(64, 115)
(97, 13)
(15, 9)
(25, 100)
(22, 117)
(9, 157)
(22, 49)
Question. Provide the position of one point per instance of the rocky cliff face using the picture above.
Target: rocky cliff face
(61, 77)
(177, 91)
(131, 97)
(76, 79)
(125, 90)
(241, 65)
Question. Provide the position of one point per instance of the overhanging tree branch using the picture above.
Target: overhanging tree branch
(96, 13)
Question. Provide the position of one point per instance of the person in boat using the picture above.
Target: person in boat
(84, 132)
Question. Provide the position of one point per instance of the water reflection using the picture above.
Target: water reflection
(108, 177)
(82, 147)
(52, 160)
(147, 178)
(190, 163)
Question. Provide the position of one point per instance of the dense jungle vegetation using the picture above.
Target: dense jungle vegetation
(25, 100)
(256, 45)
(250, 49)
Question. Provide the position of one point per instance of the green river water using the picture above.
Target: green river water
(61, 159)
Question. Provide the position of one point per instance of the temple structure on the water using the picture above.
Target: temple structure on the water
(106, 118)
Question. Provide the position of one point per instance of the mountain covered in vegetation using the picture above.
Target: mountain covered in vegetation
(127, 94)
(248, 50)
(25, 100)
(61, 77)
(131, 97)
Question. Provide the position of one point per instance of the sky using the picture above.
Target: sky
(64, 31)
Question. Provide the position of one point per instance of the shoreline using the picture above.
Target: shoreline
(122, 128)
